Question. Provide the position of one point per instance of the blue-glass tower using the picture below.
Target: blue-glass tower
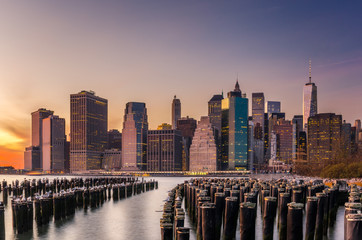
(234, 131)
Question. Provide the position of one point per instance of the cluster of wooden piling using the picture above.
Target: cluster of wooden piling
(353, 215)
(214, 204)
(173, 217)
(43, 200)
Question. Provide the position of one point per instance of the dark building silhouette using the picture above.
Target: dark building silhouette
(67, 156)
(114, 139)
(273, 107)
(214, 111)
(88, 130)
(187, 127)
(176, 111)
(164, 150)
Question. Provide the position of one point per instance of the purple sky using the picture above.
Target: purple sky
(151, 50)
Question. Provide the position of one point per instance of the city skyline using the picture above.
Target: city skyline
(144, 58)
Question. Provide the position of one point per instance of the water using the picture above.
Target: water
(129, 219)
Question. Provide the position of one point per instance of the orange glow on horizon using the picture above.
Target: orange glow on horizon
(11, 158)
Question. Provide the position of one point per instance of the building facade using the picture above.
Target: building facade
(203, 150)
(284, 133)
(186, 126)
(53, 143)
(234, 132)
(32, 159)
(176, 111)
(258, 109)
(112, 159)
(134, 137)
(37, 131)
(164, 150)
(273, 107)
(323, 138)
(114, 139)
(88, 130)
(214, 112)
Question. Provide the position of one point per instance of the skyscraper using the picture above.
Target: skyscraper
(114, 139)
(203, 150)
(176, 111)
(310, 107)
(32, 158)
(164, 150)
(234, 146)
(53, 143)
(323, 138)
(297, 129)
(88, 130)
(273, 107)
(214, 111)
(134, 137)
(357, 125)
(187, 127)
(37, 130)
(284, 133)
(258, 109)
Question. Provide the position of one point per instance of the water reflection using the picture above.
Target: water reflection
(128, 219)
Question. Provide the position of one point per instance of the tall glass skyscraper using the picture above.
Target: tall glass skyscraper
(234, 152)
(310, 107)
(88, 130)
(134, 137)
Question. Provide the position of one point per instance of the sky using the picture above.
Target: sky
(149, 51)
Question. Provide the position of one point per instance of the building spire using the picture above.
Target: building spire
(310, 70)
(237, 87)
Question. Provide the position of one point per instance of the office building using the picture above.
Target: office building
(164, 150)
(53, 144)
(251, 145)
(88, 130)
(32, 159)
(176, 111)
(214, 111)
(284, 133)
(186, 126)
(114, 139)
(37, 131)
(234, 131)
(134, 137)
(273, 107)
(258, 106)
(203, 150)
(323, 138)
(112, 159)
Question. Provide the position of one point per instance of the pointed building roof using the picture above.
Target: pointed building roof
(237, 87)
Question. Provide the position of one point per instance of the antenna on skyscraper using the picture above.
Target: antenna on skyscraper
(310, 70)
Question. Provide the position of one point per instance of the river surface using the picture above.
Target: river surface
(134, 218)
